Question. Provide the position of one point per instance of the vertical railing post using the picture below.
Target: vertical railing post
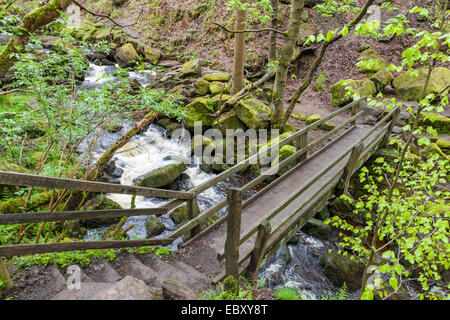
(390, 127)
(193, 211)
(233, 232)
(258, 250)
(4, 274)
(355, 109)
(348, 170)
(300, 143)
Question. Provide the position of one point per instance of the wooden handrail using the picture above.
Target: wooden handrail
(31, 180)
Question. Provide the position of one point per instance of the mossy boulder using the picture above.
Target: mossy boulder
(313, 118)
(102, 34)
(409, 85)
(201, 142)
(179, 214)
(376, 62)
(190, 68)
(154, 227)
(439, 122)
(168, 124)
(338, 91)
(151, 54)
(340, 269)
(202, 87)
(444, 145)
(15, 205)
(224, 77)
(382, 78)
(100, 203)
(317, 229)
(433, 148)
(230, 121)
(127, 55)
(299, 116)
(218, 87)
(327, 126)
(253, 113)
(200, 109)
(163, 176)
(285, 152)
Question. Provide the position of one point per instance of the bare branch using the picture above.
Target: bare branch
(244, 31)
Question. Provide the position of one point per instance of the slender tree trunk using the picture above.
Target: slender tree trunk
(31, 22)
(313, 69)
(285, 58)
(239, 52)
(273, 34)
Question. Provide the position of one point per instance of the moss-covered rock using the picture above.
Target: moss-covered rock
(190, 68)
(200, 141)
(16, 205)
(382, 78)
(433, 148)
(161, 177)
(202, 87)
(200, 110)
(317, 229)
(437, 121)
(224, 77)
(444, 145)
(218, 87)
(408, 86)
(253, 113)
(299, 116)
(285, 152)
(340, 269)
(154, 227)
(359, 87)
(313, 118)
(103, 34)
(179, 214)
(230, 121)
(151, 54)
(168, 124)
(100, 203)
(377, 62)
(127, 55)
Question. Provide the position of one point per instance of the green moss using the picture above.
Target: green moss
(217, 77)
(382, 78)
(377, 62)
(100, 203)
(16, 205)
(154, 227)
(437, 121)
(253, 113)
(190, 68)
(230, 121)
(299, 116)
(217, 87)
(313, 118)
(359, 87)
(199, 110)
(202, 87)
(162, 176)
(409, 85)
(179, 214)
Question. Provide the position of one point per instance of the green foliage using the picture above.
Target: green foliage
(342, 294)
(287, 293)
(64, 259)
(230, 289)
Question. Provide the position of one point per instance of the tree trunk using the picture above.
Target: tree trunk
(31, 22)
(273, 34)
(239, 52)
(285, 59)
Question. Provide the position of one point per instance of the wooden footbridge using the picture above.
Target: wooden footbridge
(252, 230)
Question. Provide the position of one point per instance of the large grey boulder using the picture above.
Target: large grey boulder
(162, 176)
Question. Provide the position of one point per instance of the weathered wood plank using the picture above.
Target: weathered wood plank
(26, 249)
(348, 171)
(395, 115)
(233, 233)
(6, 219)
(258, 251)
(30, 180)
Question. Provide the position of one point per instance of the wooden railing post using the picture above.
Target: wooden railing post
(233, 233)
(258, 250)
(4, 274)
(354, 156)
(390, 127)
(355, 109)
(300, 143)
(193, 211)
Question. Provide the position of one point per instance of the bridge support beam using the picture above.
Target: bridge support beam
(233, 233)
(259, 249)
(300, 143)
(348, 171)
(4, 274)
(193, 211)
(390, 127)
